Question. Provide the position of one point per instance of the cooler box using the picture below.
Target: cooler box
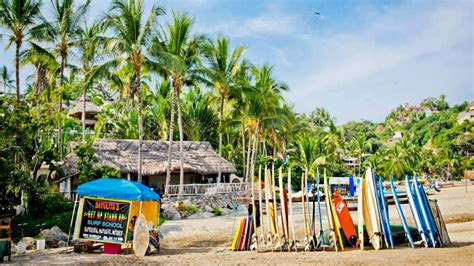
(112, 248)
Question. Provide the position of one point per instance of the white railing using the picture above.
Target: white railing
(207, 189)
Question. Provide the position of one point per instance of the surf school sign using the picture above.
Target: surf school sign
(104, 220)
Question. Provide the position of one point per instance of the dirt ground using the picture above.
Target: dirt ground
(207, 241)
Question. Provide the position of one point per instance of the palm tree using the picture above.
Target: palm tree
(89, 44)
(178, 54)
(5, 79)
(131, 34)
(223, 66)
(18, 17)
(63, 31)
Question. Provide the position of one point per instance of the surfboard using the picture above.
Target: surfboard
(351, 186)
(260, 204)
(249, 233)
(425, 211)
(269, 211)
(381, 213)
(376, 235)
(345, 219)
(275, 210)
(334, 217)
(401, 214)
(236, 236)
(328, 212)
(360, 211)
(253, 237)
(384, 209)
(321, 232)
(290, 208)
(416, 213)
(305, 217)
(440, 223)
(284, 207)
(141, 236)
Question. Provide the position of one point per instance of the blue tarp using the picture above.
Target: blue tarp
(113, 188)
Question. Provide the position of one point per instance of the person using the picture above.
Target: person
(131, 227)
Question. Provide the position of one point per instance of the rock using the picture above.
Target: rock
(62, 244)
(14, 248)
(208, 208)
(201, 215)
(176, 217)
(29, 242)
(53, 236)
(225, 211)
(58, 233)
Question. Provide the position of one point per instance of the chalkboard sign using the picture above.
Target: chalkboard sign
(104, 220)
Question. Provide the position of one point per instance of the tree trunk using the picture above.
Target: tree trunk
(60, 109)
(248, 156)
(254, 153)
(83, 118)
(221, 116)
(243, 149)
(17, 70)
(138, 87)
(181, 166)
(170, 143)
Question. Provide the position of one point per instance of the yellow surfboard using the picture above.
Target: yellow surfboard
(236, 235)
(334, 216)
(360, 211)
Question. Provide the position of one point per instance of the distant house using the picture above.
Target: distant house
(397, 136)
(200, 162)
(91, 111)
(467, 115)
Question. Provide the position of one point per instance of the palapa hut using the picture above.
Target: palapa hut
(200, 161)
(91, 112)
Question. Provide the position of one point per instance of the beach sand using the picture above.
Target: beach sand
(207, 241)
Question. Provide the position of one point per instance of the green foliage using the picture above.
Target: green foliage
(189, 208)
(85, 164)
(162, 219)
(217, 211)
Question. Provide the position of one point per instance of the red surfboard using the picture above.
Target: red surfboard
(345, 219)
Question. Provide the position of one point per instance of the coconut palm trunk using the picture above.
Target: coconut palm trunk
(140, 119)
(60, 106)
(170, 144)
(254, 153)
(243, 149)
(17, 69)
(83, 118)
(249, 149)
(221, 116)
(181, 166)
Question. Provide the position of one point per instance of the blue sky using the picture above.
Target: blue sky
(359, 59)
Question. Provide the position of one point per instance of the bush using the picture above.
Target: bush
(217, 211)
(162, 219)
(189, 208)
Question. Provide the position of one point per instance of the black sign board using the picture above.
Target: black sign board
(104, 220)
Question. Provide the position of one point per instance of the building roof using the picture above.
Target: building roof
(198, 157)
(76, 110)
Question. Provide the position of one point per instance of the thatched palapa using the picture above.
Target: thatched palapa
(198, 157)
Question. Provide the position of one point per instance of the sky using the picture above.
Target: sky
(357, 59)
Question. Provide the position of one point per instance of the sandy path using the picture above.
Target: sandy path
(206, 241)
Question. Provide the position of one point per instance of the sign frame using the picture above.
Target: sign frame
(107, 199)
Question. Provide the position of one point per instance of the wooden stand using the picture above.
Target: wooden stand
(5, 236)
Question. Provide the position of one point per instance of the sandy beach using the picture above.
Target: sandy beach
(207, 241)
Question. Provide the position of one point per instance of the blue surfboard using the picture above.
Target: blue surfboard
(351, 186)
(420, 194)
(380, 207)
(415, 210)
(400, 213)
(385, 213)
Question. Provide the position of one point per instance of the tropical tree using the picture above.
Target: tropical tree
(223, 64)
(18, 17)
(89, 45)
(5, 79)
(178, 54)
(131, 33)
(63, 32)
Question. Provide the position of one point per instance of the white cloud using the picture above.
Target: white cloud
(358, 64)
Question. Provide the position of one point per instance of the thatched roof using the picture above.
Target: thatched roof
(76, 110)
(198, 157)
